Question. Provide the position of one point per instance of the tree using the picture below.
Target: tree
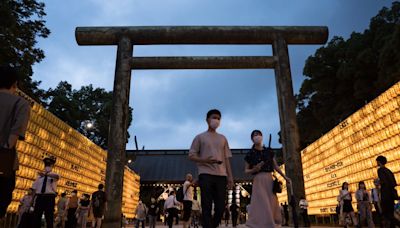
(345, 74)
(21, 23)
(86, 104)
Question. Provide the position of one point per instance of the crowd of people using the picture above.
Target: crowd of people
(382, 198)
(72, 212)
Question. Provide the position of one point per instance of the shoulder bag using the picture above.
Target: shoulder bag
(276, 185)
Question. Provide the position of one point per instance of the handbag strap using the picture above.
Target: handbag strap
(12, 118)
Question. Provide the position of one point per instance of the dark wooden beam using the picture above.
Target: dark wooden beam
(143, 35)
(218, 62)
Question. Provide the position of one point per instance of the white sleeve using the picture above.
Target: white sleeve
(36, 184)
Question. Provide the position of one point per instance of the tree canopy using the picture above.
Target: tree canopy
(20, 25)
(344, 75)
(86, 104)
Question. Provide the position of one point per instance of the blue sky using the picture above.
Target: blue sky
(170, 106)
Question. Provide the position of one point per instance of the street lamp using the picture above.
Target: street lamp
(89, 125)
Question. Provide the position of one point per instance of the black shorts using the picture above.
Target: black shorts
(187, 210)
(98, 212)
(347, 207)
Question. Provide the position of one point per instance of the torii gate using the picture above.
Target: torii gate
(126, 37)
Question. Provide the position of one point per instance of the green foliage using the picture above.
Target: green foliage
(345, 74)
(86, 104)
(21, 23)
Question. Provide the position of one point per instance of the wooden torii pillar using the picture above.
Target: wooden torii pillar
(126, 37)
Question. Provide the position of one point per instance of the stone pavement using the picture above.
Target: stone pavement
(239, 226)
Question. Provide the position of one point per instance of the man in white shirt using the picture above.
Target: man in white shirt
(170, 208)
(303, 204)
(210, 150)
(187, 200)
(45, 188)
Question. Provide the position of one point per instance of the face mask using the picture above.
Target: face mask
(258, 139)
(47, 169)
(214, 123)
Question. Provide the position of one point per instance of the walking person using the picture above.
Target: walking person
(285, 208)
(260, 162)
(364, 205)
(187, 200)
(141, 214)
(227, 215)
(283, 214)
(303, 204)
(346, 209)
(170, 208)
(45, 193)
(14, 118)
(376, 201)
(99, 205)
(178, 213)
(25, 211)
(234, 214)
(388, 192)
(210, 150)
(83, 210)
(72, 206)
(196, 214)
(61, 210)
(153, 212)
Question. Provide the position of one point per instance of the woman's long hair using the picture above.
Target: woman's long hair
(344, 183)
(360, 183)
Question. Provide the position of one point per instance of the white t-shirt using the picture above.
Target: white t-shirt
(51, 183)
(345, 195)
(214, 145)
(171, 202)
(303, 204)
(188, 192)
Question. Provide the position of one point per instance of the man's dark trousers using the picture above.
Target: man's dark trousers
(7, 187)
(304, 214)
(172, 212)
(213, 189)
(234, 219)
(44, 203)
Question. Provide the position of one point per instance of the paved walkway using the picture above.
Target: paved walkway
(239, 226)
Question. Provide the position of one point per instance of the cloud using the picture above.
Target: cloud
(71, 69)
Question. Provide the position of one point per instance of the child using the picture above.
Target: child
(83, 210)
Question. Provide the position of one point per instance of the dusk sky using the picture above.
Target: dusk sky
(170, 105)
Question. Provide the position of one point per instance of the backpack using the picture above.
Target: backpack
(179, 195)
(98, 199)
